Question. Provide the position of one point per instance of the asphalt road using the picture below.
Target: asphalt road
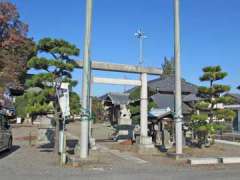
(33, 163)
(26, 164)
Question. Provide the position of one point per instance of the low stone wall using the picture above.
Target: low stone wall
(46, 130)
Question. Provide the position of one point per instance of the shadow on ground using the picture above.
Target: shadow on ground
(9, 152)
(71, 143)
(49, 147)
(104, 140)
(46, 146)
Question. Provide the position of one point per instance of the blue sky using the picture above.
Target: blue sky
(209, 33)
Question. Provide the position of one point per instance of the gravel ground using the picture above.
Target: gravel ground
(30, 162)
(99, 131)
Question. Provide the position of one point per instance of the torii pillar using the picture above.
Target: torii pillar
(145, 140)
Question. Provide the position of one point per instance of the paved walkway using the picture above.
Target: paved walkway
(123, 155)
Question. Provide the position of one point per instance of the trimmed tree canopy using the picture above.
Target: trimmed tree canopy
(57, 65)
(211, 107)
(168, 67)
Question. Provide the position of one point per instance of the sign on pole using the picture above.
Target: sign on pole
(64, 99)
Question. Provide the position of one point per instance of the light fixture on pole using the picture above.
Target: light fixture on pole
(140, 35)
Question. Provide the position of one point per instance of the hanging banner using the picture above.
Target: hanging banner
(64, 99)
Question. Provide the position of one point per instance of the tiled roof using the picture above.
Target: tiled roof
(167, 84)
(116, 98)
(235, 96)
(191, 97)
(164, 101)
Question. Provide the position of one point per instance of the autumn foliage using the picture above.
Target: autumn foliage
(15, 48)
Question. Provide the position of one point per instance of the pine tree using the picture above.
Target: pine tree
(55, 65)
(58, 65)
(75, 107)
(168, 67)
(97, 110)
(210, 109)
(134, 105)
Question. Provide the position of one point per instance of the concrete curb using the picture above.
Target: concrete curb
(213, 160)
(227, 142)
(204, 161)
(230, 160)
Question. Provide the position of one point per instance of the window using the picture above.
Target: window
(3, 122)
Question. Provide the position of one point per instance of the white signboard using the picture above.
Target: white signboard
(64, 99)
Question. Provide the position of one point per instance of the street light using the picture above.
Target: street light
(140, 35)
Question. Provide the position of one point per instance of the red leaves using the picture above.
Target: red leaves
(12, 30)
(15, 48)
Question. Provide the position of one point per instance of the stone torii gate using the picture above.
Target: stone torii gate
(86, 64)
(143, 71)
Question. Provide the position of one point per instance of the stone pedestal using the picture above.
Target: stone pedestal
(45, 135)
(146, 146)
(46, 131)
(146, 142)
(93, 144)
(124, 123)
(176, 156)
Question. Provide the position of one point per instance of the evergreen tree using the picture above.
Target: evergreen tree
(135, 103)
(168, 67)
(56, 65)
(210, 109)
(26, 104)
(74, 101)
(97, 110)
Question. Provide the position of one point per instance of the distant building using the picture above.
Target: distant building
(164, 98)
(114, 103)
(236, 108)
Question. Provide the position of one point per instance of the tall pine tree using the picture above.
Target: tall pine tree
(55, 65)
(168, 67)
(210, 111)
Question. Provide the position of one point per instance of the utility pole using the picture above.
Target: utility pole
(84, 140)
(178, 91)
